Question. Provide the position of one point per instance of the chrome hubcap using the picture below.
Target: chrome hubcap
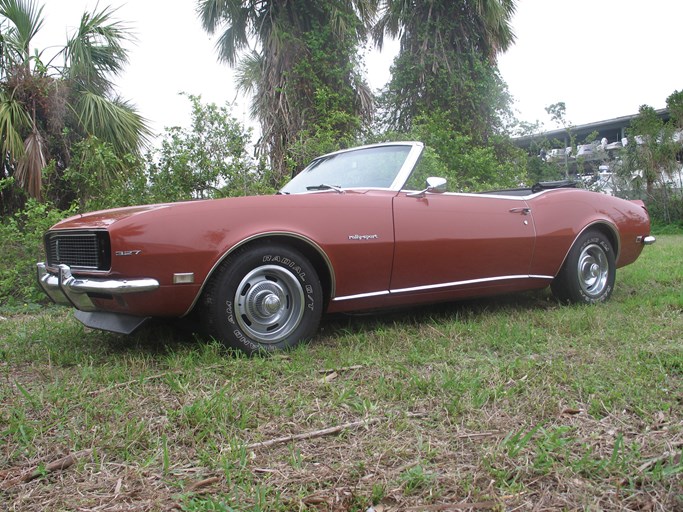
(269, 303)
(593, 269)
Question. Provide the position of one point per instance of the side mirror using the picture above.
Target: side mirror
(434, 186)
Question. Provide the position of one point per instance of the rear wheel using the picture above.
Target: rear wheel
(588, 274)
(263, 298)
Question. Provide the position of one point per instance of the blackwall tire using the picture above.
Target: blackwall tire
(263, 298)
(589, 272)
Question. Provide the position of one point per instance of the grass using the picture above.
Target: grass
(507, 403)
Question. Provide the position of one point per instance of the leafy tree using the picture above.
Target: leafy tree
(101, 178)
(208, 160)
(470, 167)
(653, 157)
(447, 62)
(653, 143)
(45, 108)
(675, 105)
(303, 71)
(558, 114)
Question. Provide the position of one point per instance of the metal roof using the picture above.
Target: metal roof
(612, 129)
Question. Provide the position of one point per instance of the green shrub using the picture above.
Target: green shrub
(22, 247)
(469, 166)
(102, 179)
(208, 160)
(665, 205)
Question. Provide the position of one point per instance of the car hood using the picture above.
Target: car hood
(207, 212)
(105, 218)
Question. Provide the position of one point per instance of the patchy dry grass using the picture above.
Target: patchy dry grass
(514, 403)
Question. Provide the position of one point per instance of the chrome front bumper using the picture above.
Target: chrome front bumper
(64, 288)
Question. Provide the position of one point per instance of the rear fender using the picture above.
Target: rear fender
(606, 228)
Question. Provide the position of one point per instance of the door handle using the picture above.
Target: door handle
(523, 210)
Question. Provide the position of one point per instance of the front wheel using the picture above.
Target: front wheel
(588, 274)
(264, 298)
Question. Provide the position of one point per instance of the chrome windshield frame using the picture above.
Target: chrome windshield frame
(402, 175)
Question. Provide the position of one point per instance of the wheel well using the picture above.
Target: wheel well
(611, 236)
(311, 253)
(605, 229)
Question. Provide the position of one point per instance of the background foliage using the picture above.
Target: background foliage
(47, 109)
(303, 70)
(71, 143)
(652, 168)
(21, 247)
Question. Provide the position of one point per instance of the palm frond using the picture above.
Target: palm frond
(30, 166)
(366, 11)
(235, 37)
(494, 20)
(113, 121)
(365, 98)
(26, 20)
(392, 18)
(249, 73)
(97, 50)
(13, 120)
(211, 13)
(23, 19)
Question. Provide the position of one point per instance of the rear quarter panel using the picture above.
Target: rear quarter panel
(561, 215)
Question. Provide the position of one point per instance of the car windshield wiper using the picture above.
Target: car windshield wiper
(324, 186)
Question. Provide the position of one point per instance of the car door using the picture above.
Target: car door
(459, 241)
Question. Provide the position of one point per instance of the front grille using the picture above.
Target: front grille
(80, 250)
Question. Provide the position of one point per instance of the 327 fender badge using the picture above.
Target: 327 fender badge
(134, 252)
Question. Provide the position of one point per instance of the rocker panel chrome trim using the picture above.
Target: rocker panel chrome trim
(440, 285)
(360, 296)
(467, 282)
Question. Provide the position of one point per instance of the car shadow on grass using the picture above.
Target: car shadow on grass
(163, 337)
(156, 337)
(443, 312)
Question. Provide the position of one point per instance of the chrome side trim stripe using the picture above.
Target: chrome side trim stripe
(461, 283)
(361, 296)
(440, 285)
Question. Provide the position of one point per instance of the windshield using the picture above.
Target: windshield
(372, 167)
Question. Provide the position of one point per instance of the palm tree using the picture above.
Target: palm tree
(302, 67)
(22, 143)
(45, 108)
(447, 58)
(92, 54)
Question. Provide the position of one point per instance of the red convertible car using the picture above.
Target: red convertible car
(358, 229)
